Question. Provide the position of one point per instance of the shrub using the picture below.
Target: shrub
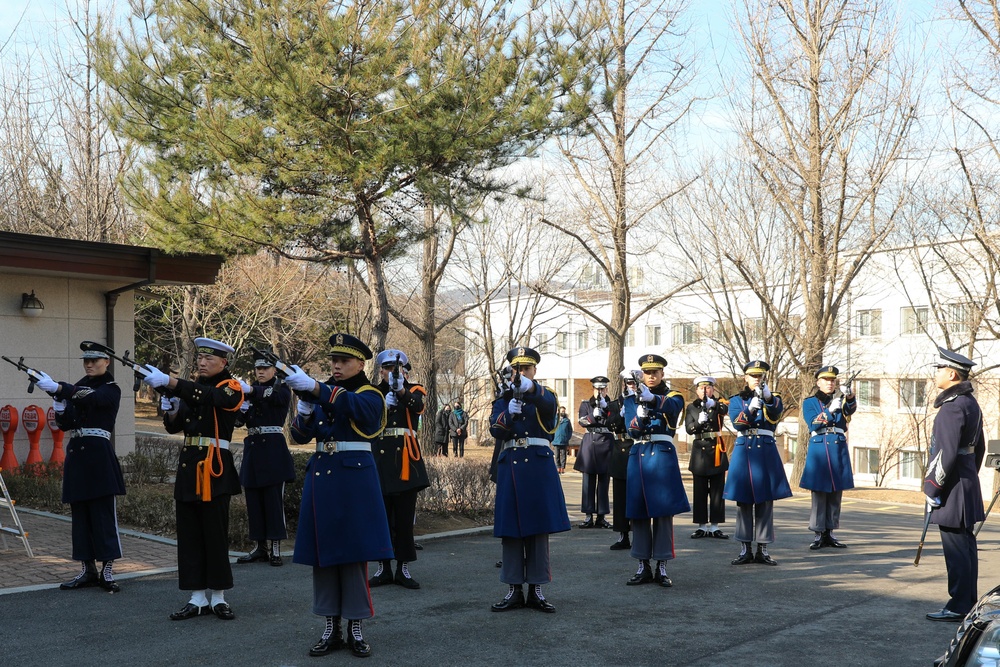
(37, 485)
(459, 486)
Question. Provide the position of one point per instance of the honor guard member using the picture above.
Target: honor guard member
(342, 522)
(703, 420)
(756, 473)
(267, 463)
(401, 469)
(92, 476)
(619, 462)
(529, 498)
(594, 459)
(205, 410)
(655, 490)
(954, 497)
(827, 472)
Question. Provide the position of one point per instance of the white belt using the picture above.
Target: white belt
(397, 431)
(261, 430)
(197, 441)
(334, 446)
(657, 437)
(526, 442)
(758, 431)
(90, 432)
(827, 430)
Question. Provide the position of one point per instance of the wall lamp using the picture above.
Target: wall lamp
(30, 305)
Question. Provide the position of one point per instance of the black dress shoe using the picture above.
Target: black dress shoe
(541, 604)
(718, 534)
(621, 544)
(329, 645)
(359, 647)
(589, 523)
(110, 585)
(82, 580)
(945, 615)
(831, 541)
(742, 559)
(643, 576)
(406, 582)
(189, 611)
(513, 600)
(382, 578)
(764, 559)
(603, 523)
(257, 554)
(661, 576)
(817, 544)
(418, 546)
(499, 564)
(223, 611)
(276, 561)
(698, 534)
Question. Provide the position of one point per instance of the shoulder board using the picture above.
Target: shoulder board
(674, 392)
(776, 393)
(724, 401)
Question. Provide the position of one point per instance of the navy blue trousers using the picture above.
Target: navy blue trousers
(961, 557)
(95, 530)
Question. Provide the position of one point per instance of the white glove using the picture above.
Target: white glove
(245, 387)
(170, 405)
(514, 406)
(645, 395)
(702, 417)
(47, 383)
(526, 385)
(156, 377)
(396, 381)
(58, 406)
(391, 400)
(305, 409)
(709, 403)
(641, 412)
(300, 381)
(845, 389)
(766, 391)
(754, 404)
(933, 503)
(602, 403)
(628, 391)
(834, 405)
(244, 406)
(597, 412)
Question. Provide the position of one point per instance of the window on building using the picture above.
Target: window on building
(543, 343)
(562, 390)
(562, 341)
(652, 336)
(866, 392)
(909, 465)
(913, 394)
(602, 338)
(634, 277)
(474, 428)
(582, 340)
(721, 330)
(957, 318)
(754, 329)
(685, 333)
(913, 321)
(630, 338)
(589, 275)
(866, 460)
(869, 323)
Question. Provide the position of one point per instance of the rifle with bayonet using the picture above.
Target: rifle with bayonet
(33, 375)
(138, 369)
(283, 369)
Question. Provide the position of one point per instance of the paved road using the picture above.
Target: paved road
(860, 606)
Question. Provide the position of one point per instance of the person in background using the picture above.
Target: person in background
(560, 441)
(458, 424)
(441, 426)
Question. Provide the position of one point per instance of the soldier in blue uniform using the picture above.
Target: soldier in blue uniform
(619, 462)
(756, 473)
(703, 420)
(342, 522)
(205, 411)
(594, 459)
(401, 469)
(529, 498)
(267, 463)
(655, 490)
(827, 472)
(92, 476)
(954, 497)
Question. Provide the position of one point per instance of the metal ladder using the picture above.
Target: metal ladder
(18, 530)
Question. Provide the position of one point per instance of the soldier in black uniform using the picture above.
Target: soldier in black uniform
(709, 462)
(401, 471)
(594, 459)
(92, 476)
(954, 497)
(205, 410)
(267, 463)
(619, 464)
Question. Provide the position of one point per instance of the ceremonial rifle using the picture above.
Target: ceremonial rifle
(33, 375)
(138, 369)
(515, 387)
(283, 369)
(923, 535)
(848, 383)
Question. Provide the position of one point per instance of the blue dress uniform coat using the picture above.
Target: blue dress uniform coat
(266, 459)
(654, 485)
(828, 461)
(91, 469)
(957, 451)
(342, 518)
(394, 452)
(756, 473)
(529, 497)
(594, 457)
